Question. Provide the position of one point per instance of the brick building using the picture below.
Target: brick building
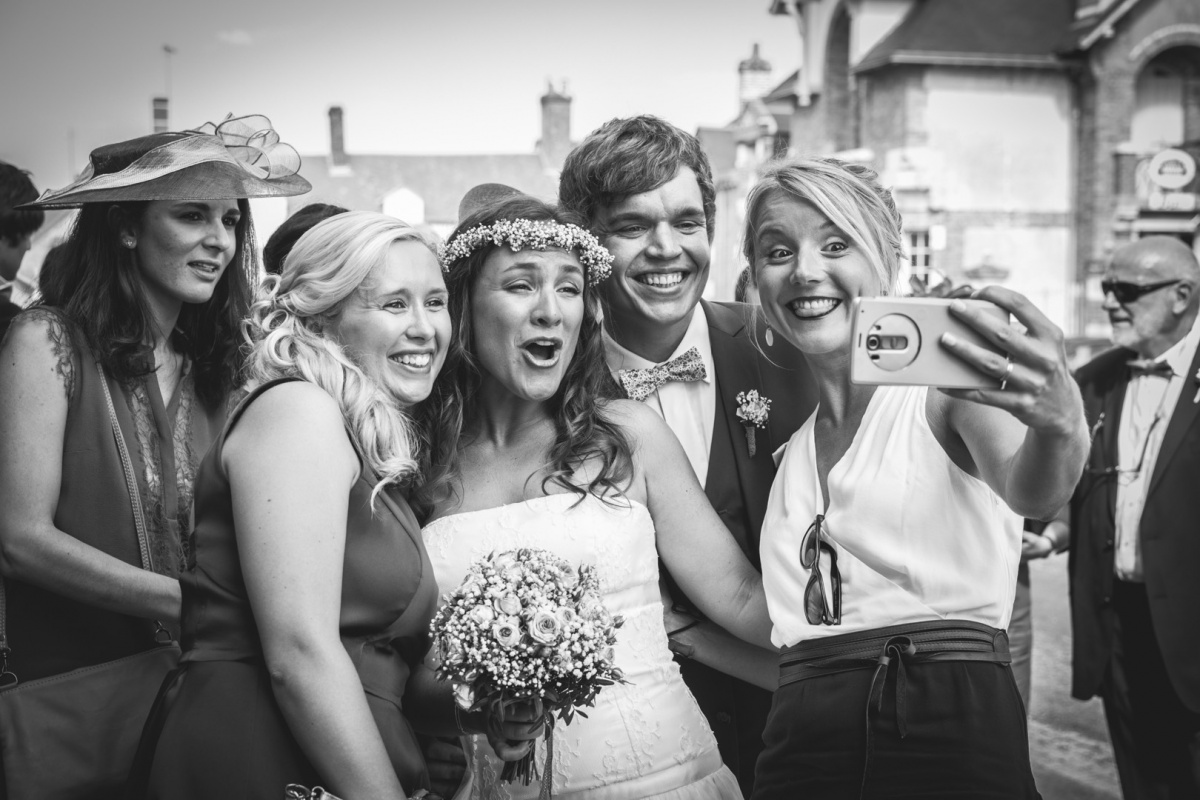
(1023, 139)
(426, 189)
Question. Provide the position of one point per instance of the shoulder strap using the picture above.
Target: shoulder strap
(135, 496)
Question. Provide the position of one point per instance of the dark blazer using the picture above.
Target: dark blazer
(738, 486)
(1170, 534)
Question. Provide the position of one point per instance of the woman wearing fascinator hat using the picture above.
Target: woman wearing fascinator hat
(111, 390)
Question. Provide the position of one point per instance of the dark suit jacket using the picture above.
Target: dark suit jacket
(1170, 534)
(738, 486)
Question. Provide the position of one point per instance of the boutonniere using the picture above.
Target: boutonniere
(753, 409)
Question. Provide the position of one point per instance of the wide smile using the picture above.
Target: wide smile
(542, 353)
(662, 281)
(812, 307)
(416, 362)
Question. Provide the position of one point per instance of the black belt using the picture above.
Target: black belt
(888, 650)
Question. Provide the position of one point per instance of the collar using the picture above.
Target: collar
(1180, 354)
(618, 357)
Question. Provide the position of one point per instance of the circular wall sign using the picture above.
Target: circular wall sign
(1172, 169)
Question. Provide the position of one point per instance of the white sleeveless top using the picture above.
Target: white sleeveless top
(917, 539)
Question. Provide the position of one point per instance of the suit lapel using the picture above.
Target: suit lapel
(1183, 418)
(735, 372)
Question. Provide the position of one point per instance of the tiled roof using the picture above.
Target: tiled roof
(786, 90)
(439, 180)
(1014, 33)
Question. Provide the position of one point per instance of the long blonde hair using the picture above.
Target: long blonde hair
(287, 329)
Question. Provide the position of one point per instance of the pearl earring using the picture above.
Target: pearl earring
(770, 337)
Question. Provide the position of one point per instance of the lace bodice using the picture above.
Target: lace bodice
(643, 739)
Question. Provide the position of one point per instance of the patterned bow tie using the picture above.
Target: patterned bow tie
(1149, 366)
(641, 383)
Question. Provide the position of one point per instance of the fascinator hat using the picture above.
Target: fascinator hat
(240, 157)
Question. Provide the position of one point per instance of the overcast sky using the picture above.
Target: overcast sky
(414, 76)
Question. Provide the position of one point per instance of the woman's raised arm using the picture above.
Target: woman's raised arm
(1029, 440)
(692, 541)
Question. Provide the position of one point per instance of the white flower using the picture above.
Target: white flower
(753, 408)
(509, 605)
(507, 632)
(545, 627)
(483, 616)
(464, 695)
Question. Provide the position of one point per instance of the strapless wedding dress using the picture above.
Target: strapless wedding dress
(643, 739)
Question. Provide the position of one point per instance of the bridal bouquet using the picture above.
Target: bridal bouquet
(526, 626)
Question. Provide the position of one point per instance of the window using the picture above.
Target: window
(920, 256)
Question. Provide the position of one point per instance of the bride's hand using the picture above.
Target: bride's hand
(513, 727)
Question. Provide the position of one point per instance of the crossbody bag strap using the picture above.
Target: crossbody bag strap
(135, 496)
(7, 678)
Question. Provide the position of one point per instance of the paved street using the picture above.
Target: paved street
(1068, 741)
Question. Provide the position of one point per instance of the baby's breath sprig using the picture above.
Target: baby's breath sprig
(531, 234)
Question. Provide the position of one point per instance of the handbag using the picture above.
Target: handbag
(74, 735)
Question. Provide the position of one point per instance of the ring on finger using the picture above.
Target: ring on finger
(1008, 370)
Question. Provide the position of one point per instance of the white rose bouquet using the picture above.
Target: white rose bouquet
(526, 626)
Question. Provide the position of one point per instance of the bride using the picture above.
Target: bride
(527, 453)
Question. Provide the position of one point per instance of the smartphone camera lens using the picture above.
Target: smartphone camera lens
(872, 342)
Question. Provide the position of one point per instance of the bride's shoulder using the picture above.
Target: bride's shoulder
(629, 414)
(634, 418)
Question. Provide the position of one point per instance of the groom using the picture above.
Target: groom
(646, 190)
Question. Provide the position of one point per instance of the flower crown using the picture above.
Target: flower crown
(529, 234)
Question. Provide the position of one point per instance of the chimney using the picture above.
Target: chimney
(556, 126)
(337, 144)
(161, 121)
(754, 78)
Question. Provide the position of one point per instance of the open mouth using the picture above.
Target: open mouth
(661, 280)
(813, 307)
(542, 352)
(204, 267)
(412, 360)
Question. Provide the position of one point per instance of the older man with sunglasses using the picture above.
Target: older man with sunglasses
(1135, 537)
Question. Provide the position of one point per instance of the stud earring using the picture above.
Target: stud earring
(129, 242)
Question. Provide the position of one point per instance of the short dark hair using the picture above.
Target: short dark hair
(624, 157)
(16, 188)
(284, 238)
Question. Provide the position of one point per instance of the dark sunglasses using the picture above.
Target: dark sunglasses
(1128, 292)
(818, 608)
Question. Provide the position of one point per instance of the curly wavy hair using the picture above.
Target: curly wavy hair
(99, 287)
(582, 429)
(849, 195)
(287, 332)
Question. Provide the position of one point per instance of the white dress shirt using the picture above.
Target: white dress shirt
(688, 407)
(1149, 403)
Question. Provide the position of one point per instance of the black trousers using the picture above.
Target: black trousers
(964, 736)
(1156, 739)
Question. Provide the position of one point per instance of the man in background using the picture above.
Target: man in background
(1135, 533)
(17, 226)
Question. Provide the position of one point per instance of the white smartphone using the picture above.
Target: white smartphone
(896, 342)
